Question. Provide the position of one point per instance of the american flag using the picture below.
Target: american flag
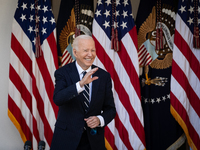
(126, 131)
(31, 79)
(185, 79)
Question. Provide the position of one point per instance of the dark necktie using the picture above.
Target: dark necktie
(86, 94)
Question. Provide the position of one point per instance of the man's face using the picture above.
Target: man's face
(86, 53)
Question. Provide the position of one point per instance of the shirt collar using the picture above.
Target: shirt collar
(80, 70)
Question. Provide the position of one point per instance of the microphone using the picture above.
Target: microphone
(27, 145)
(41, 145)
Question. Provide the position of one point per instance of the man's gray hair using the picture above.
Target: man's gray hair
(76, 40)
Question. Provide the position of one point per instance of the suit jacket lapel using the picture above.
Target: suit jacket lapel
(95, 87)
(74, 76)
(74, 73)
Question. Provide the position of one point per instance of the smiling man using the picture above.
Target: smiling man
(84, 95)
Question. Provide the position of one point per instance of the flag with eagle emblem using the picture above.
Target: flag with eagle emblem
(155, 24)
(74, 18)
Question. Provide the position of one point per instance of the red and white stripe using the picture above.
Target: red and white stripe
(31, 86)
(66, 58)
(126, 131)
(185, 83)
(144, 56)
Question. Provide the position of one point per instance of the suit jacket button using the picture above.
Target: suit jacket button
(82, 129)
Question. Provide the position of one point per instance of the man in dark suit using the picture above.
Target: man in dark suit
(80, 126)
